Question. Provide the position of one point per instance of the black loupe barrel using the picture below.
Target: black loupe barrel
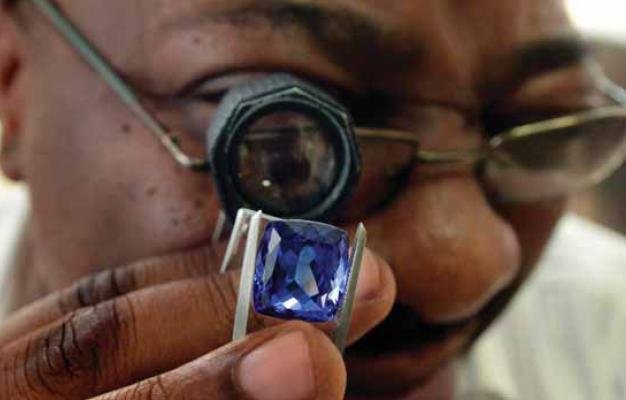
(283, 146)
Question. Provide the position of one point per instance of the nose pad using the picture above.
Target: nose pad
(450, 251)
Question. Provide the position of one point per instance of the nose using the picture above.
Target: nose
(450, 251)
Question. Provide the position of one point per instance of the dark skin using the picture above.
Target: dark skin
(443, 254)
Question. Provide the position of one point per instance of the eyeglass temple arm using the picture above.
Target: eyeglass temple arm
(423, 156)
(115, 82)
(606, 86)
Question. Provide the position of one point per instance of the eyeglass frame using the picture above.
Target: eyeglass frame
(166, 137)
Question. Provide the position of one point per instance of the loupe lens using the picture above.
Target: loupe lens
(282, 145)
(286, 161)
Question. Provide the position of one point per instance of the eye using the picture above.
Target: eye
(211, 89)
(371, 109)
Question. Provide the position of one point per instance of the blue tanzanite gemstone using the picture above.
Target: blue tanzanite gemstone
(301, 271)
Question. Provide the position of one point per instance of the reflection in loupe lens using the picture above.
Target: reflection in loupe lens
(286, 163)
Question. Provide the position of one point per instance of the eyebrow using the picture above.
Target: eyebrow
(345, 35)
(539, 58)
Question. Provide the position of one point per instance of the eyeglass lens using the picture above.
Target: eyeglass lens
(556, 162)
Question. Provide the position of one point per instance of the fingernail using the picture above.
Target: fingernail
(280, 369)
(368, 286)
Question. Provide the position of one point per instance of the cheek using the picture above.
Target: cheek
(104, 191)
(450, 251)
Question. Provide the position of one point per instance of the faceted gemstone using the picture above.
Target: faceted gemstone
(301, 271)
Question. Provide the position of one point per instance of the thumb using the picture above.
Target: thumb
(291, 361)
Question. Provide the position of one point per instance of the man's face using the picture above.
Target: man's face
(106, 193)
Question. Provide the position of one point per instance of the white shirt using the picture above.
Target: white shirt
(563, 338)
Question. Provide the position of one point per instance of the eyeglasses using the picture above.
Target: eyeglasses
(537, 160)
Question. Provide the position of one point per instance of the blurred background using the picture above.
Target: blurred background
(603, 24)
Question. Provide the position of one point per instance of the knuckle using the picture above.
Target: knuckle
(62, 353)
(75, 356)
(97, 288)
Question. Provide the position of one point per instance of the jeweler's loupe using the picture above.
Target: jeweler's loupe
(295, 270)
(284, 146)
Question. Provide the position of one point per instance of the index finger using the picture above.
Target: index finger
(107, 285)
(131, 337)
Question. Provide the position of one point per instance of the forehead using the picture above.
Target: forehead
(480, 18)
(442, 42)
(412, 14)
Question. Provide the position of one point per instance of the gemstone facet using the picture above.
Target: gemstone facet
(301, 271)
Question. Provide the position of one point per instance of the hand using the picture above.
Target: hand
(161, 329)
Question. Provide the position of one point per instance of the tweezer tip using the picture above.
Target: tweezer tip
(360, 230)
